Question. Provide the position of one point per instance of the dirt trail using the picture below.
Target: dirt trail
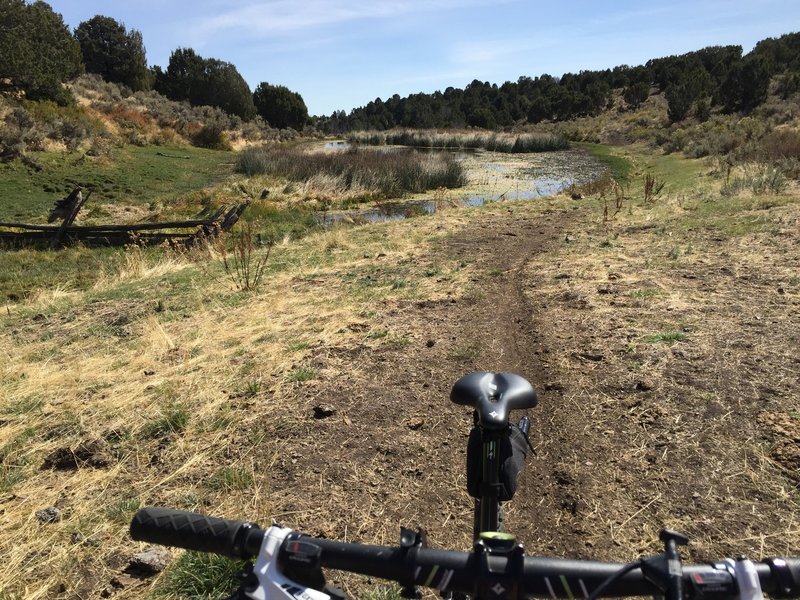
(392, 451)
(631, 434)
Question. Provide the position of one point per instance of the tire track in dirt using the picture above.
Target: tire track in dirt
(393, 452)
(510, 331)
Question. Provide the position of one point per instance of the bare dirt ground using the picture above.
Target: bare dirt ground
(666, 363)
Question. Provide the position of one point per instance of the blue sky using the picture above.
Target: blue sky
(339, 54)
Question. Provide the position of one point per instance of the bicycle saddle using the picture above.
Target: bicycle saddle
(494, 396)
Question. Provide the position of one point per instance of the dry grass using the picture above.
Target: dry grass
(171, 391)
(674, 331)
(201, 397)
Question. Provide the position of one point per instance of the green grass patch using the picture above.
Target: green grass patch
(668, 337)
(23, 271)
(23, 406)
(681, 174)
(231, 478)
(200, 576)
(729, 217)
(174, 419)
(618, 166)
(646, 293)
(9, 476)
(122, 511)
(382, 592)
(302, 374)
(466, 351)
(298, 346)
(132, 175)
(275, 222)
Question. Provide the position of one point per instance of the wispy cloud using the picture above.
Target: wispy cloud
(481, 54)
(288, 16)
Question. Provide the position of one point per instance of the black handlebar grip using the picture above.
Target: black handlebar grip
(785, 577)
(169, 527)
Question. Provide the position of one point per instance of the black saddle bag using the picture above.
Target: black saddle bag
(513, 452)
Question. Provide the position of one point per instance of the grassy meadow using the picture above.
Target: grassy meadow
(134, 177)
(139, 376)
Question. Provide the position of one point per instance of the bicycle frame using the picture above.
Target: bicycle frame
(488, 507)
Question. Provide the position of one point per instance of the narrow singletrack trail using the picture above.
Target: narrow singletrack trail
(393, 451)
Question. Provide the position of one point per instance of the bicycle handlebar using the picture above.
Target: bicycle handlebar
(410, 564)
(191, 531)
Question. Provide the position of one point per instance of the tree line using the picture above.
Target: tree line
(693, 83)
(38, 53)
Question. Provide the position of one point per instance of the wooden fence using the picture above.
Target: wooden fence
(174, 232)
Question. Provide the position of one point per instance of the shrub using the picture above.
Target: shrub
(69, 124)
(15, 134)
(212, 136)
(782, 143)
(758, 179)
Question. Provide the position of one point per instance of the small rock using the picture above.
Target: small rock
(48, 515)
(323, 411)
(644, 385)
(415, 423)
(430, 344)
(149, 562)
(569, 239)
(553, 386)
(120, 582)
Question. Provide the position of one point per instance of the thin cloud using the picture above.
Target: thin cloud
(488, 53)
(287, 16)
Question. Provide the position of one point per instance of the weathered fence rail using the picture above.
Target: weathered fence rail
(179, 232)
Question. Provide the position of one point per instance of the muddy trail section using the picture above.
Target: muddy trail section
(631, 434)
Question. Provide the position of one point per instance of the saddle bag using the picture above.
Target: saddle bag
(513, 452)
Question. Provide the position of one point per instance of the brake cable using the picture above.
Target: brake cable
(596, 593)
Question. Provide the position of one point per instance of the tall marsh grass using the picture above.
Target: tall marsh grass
(364, 172)
(462, 140)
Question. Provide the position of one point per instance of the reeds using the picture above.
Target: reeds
(462, 140)
(369, 172)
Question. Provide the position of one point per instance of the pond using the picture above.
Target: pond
(492, 177)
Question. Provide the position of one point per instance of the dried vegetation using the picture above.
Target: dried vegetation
(662, 337)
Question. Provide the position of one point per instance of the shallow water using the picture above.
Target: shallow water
(493, 177)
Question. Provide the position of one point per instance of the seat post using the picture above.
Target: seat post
(488, 519)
